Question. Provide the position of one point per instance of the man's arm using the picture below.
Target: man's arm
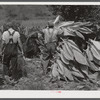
(3, 43)
(2, 46)
(20, 44)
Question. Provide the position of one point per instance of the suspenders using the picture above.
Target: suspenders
(11, 37)
(51, 35)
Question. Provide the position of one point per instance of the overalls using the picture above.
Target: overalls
(49, 52)
(10, 57)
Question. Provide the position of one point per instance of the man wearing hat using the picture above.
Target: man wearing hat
(51, 35)
(10, 44)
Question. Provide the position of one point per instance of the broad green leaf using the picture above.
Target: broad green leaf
(79, 35)
(67, 52)
(96, 44)
(85, 30)
(92, 66)
(95, 52)
(66, 24)
(68, 74)
(77, 74)
(84, 69)
(54, 70)
(63, 70)
(96, 61)
(73, 45)
(80, 58)
(67, 32)
(60, 67)
(89, 54)
(63, 58)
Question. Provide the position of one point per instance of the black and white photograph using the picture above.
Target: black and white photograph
(50, 47)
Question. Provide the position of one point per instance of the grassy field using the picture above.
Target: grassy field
(36, 80)
(27, 15)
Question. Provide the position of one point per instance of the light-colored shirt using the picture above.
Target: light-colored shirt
(50, 34)
(6, 36)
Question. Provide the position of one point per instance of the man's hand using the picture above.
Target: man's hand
(1, 53)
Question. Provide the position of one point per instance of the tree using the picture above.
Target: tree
(77, 12)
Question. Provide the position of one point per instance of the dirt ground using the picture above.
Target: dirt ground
(36, 80)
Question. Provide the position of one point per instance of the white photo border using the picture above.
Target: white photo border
(51, 93)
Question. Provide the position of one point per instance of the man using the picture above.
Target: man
(10, 44)
(31, 44)
(51, 36)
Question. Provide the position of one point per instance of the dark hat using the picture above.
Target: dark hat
(50, 23)
(12, 25)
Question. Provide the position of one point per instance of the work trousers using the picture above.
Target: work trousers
(10, 60)
(47, 55)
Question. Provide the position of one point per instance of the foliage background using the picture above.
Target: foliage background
(77, 12)
(38, 13)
